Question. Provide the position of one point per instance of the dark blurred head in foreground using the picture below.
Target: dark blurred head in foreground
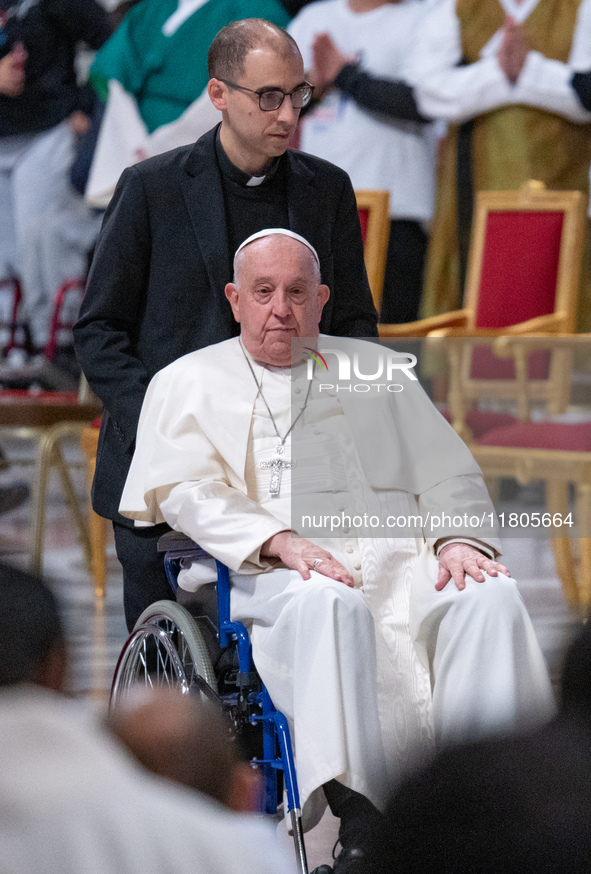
(187, 741)
(506, 806)
(32, 647)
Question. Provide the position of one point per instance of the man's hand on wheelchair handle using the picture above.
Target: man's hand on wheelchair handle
(458, 559)
(300, 555)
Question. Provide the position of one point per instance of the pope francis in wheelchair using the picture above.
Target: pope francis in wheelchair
(374, 647)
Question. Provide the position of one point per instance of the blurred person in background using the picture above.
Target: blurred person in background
(367, 122)
(72, 800)
(42, 111)
(499, 72)
(152, 76)
(159, 52)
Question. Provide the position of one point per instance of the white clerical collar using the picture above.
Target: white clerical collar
(519, 11)
(255, 180)
(184, 10)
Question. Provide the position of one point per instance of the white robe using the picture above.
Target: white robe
(376, 151)
(192, 467)
(445, 89)
(72, 801)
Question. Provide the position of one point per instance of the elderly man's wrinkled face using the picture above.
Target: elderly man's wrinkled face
(276, 296)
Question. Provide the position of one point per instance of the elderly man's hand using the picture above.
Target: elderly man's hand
(300, 555)
(458, 559)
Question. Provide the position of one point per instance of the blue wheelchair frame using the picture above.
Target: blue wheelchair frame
(251, 698)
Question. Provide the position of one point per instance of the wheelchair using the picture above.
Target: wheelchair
(170, 647)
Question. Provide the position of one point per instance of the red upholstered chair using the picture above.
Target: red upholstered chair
(523, 268)
(10, 301)
(556, 450)
(523, 278)
(373, 209)
(65, 312)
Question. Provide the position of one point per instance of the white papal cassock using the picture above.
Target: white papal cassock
(449, 664)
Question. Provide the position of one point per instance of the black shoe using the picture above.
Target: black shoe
(358, 816)
(13, 496)
(323, 869)
(349, 861)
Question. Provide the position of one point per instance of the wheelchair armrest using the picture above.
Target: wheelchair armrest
(175, 540)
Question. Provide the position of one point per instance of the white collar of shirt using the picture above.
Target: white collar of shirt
(519, 12)
(185, 9)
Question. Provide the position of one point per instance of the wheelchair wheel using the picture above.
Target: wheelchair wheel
(165, 649)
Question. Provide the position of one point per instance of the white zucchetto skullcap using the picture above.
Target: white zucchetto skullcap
(270, 232)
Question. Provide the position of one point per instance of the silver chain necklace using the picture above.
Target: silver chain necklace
(278, 463)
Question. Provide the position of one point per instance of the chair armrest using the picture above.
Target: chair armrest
(424, 326)
(505, 347)
(554, 323)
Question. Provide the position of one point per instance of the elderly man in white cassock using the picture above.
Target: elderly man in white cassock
(371, 646)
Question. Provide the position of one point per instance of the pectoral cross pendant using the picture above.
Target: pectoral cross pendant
(277, 465)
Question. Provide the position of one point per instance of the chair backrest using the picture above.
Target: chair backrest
(373, 209)
(525, 262)
(525, 256)
(12, 333)
(65, 313)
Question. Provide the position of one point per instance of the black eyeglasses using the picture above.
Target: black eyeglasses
(273, 98)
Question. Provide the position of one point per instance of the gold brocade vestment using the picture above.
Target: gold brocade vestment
(508, 146)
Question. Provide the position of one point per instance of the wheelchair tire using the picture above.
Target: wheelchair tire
(165, 649)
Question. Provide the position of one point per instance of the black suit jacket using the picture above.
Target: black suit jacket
(156, 285)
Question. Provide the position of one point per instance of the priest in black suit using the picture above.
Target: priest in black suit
(164, 256)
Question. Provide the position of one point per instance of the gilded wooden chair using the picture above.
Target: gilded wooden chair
(523, 278)
(49, 418)
(63, 316)
(555, 449)
(523, 267)
(97, 526)
(10, 303)
(373, 207)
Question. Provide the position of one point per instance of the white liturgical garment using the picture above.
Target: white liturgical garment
(445, 89)
(203, 431)
(376, 151)
(450, 665)
(326, 463)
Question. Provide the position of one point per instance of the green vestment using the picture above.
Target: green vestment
(166, 74)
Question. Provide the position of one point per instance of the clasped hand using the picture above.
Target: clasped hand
(12, 71)
(328, 61)
(513, 51)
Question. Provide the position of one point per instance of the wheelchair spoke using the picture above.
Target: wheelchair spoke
(144, 663)
(165, 650)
